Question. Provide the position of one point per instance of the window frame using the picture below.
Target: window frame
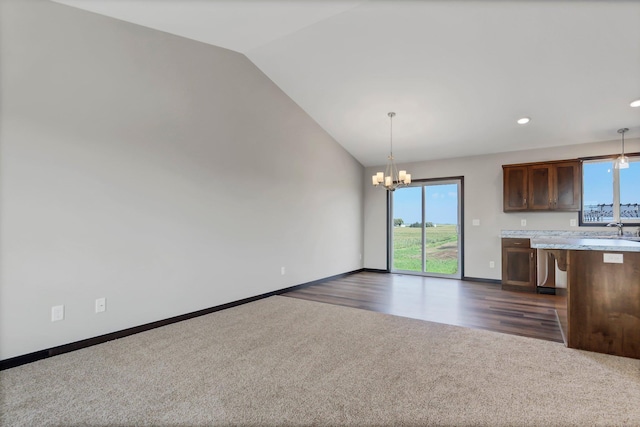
(616, 190)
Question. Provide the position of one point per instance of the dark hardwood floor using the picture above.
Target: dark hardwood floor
(455, 302)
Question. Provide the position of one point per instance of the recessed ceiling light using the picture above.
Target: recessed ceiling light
(635, 103)
(523, 120)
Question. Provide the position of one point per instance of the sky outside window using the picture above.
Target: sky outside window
(441, 204)
(598, 190)
(597, 183)
(630, 183)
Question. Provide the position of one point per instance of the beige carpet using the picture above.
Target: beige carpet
(285, 361)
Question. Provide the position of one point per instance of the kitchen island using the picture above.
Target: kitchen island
(600, 308)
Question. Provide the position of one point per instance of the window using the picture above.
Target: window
(609, 193)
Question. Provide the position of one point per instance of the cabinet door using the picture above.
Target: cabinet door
(567, 186)
(515, 188)
(540, 187)
(518, 265)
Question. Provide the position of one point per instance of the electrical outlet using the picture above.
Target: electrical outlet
(492, 264)
(57, 313)
(523, 222)
(572, 223)
(282, 271)
(613, 258)
(475, 222)
(101, 305)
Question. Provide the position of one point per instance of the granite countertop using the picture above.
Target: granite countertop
(576, 240)
(585, 244)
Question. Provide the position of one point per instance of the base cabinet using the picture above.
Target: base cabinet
(603, 304)
(518, 265)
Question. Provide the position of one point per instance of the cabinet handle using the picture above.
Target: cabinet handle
(524, 202)
(531, 255)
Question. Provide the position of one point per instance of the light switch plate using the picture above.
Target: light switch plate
(101, 305)
(613, 258)
(572, 223)
(57, 313)
(475, 222)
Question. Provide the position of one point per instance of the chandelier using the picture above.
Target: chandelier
(622, 162)
(391, 178)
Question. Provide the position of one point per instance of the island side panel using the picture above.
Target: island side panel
(561, 313)
(604, 303)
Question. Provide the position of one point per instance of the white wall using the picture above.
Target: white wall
(163, 174)
(482, 200)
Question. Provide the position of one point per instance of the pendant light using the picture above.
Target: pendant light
(391, 178)
(622, 162)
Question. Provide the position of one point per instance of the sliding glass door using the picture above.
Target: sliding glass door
(425, 228)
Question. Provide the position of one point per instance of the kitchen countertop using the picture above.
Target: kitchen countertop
(585, 244)
(576, 240)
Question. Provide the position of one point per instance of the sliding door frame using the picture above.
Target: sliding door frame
(420, 183)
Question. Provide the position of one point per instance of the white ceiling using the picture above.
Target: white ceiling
(458, 73)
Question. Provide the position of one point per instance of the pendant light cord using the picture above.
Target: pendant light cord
(391, 133)
(622, 132)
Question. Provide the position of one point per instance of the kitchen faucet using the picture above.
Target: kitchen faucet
(619, 225)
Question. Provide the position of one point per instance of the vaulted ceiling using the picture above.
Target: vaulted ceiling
(457, 73)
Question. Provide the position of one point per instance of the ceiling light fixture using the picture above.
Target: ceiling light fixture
(523, 120)
(635, 103)
(391, 178)
(622, 162)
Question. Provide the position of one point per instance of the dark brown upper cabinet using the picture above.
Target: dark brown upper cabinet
(567, 185)
(542, 186)
(515, 188)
